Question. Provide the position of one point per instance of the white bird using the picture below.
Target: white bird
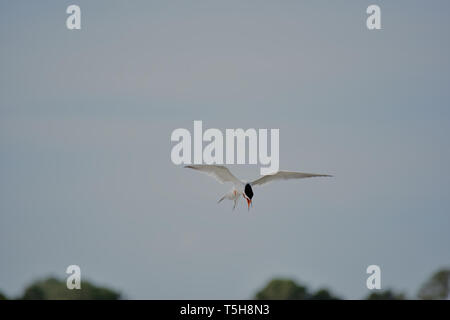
(244, 189)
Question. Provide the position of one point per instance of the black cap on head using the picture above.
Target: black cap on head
(248, 191)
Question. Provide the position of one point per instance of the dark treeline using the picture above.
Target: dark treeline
(436, 287)
(55, 289)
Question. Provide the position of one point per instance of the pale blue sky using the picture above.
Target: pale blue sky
(86, 118)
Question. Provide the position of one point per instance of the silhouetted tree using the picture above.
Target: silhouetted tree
(437, 287)
(54, 289)
(385, 295)
(323, 294)
(2, 296)
(287, 289)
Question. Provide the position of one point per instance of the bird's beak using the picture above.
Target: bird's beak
(249, 202)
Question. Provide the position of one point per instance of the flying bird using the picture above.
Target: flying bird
(244, 189)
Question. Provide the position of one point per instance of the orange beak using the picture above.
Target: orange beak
(249, 202)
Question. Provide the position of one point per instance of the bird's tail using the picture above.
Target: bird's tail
(220, 200)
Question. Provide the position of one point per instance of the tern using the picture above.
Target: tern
(244, 189)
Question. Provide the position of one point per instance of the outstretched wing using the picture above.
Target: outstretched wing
(285, 175)
(220, 173)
